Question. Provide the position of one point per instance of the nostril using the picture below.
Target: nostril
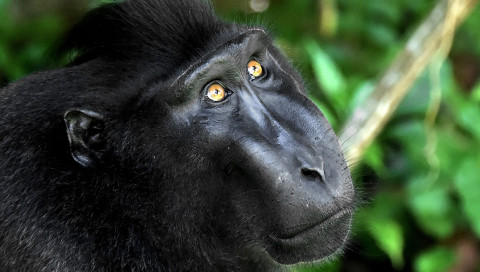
(314, 174)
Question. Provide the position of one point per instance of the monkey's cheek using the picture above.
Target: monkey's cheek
(313, 244)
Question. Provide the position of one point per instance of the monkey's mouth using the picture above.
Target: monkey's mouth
(311, 242)
(307, 229)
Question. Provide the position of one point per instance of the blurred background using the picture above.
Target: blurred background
(418, 182)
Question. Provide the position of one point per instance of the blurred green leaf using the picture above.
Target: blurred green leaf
(374, 157)
(382, 220)
(381, 34)
(410, 134)
(361, 93)
(436, 260)
(467, 183)
(328, 76)
(390, 13)
(465, 109)
(452, 146)
(431, 205)
(476, 93)
(389, 237)
(470, 117)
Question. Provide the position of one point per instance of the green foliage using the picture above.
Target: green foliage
(328, 76)
(476, 93)
(432, 207)
(389, 236)
(382, 222)
(467, 185)
(436, 260)
(417, 202)
(25, 43)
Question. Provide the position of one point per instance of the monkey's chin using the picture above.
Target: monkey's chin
(313, 244)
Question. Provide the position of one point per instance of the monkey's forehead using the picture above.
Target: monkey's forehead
(252, 37)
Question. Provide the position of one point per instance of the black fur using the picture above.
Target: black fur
(104, 166)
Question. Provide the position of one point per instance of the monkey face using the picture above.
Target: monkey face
(290, 189)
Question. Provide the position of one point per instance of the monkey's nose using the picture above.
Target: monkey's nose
(314, 173)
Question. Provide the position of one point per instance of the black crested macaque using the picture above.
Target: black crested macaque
(174, 141)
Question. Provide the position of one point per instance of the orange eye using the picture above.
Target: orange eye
(216, 92)
(254, 69)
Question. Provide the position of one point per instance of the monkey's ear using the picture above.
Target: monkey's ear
(85, 134)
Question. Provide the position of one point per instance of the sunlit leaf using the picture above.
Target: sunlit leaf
(374, 157)
(467, 183)
(389, 237)
(382, 34)
(432, 206)
(476, 93)
(436, 260)
(328, 76)
(361, 93)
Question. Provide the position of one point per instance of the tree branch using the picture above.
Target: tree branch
(432, 38)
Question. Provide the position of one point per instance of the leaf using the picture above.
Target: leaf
(389, 237)
(476, 93)
(435, 260)
(361, 93)
(374, 157)
(432, 207)
(467, 183)
(469, 117)
(404, 132)
(381, 34)
(328, 76)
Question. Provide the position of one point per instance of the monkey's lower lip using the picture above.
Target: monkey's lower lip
(312, 243)
(313, 228)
